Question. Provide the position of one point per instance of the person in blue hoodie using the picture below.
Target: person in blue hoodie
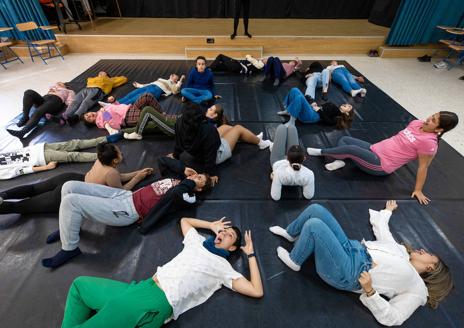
(200, 83)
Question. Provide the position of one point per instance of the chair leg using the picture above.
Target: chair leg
(40, 54)
(30, 52)
(58, 50)
(14, 53)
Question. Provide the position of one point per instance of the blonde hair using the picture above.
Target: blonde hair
(439, 281)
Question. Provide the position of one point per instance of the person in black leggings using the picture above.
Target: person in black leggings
(57, 98)
(246, 15)
(223, 63)
(40, 197)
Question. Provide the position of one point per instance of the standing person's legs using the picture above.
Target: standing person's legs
(41, 197)
(246, 15)
(117, 304)
(30, 98)
(238, 8)
(339, 77)
(279, 149)
(311, 83)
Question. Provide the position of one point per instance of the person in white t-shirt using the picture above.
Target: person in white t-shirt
(186, 281)
(408, 278)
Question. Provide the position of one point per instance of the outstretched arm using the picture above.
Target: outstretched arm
(254, 286)
(379, 221)
(421, 176)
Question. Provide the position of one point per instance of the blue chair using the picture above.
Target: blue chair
(8, 54)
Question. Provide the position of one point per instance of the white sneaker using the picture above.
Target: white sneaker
(335, 165)
(260, 136)
(133, 136)
(363, 92)
(283, 254)
(279, 231)
(263, 144)
(354, 93)
(283, 112)
(103, 104)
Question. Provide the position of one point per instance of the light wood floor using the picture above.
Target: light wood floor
(222, 27)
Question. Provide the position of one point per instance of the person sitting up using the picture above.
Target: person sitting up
(118, 207)
(154, 120)
(45, 196)
(286, 159)
(346, 80)
(408, 278)
(297, 107)
(156, 88)
(58, 97)
(419, 140)
(97, 88)
(45, 156)
(316, 77)
(200, 83)
(276, 71)
(207, 144)
(201, 268)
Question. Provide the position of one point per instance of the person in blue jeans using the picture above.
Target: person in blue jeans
(317, 80)
(200, 83)
(406, 277)
(298, 108)
(156, 88)
(346, 80)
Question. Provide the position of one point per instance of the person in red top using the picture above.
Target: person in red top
(118, 207)
(419, 140)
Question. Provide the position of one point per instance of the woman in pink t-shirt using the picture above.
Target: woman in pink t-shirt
(419, 140)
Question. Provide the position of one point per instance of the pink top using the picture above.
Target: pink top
(66, 95)
(290, 67)
(113, 114)
(405, 146)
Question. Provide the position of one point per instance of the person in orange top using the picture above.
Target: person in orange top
(97, 88)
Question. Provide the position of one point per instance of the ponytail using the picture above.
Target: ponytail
(448, 121)
(296, 156)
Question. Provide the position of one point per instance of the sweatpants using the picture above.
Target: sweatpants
(285, 137)
(40, 197)
(100, 303)
(274, 68)
(68, 151)
(84, 101)
(51, 104)
(359, 152)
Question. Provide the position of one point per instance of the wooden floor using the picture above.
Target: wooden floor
(223, 27)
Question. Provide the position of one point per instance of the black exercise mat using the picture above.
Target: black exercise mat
(296, 299)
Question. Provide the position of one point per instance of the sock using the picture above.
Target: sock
(1, 200)
(260, 136)
(283, 254)
(263, 144)
(335, 165)
(314, 151)
(53, 237)
(276, 82)
(133, 136)
(60, 258)
(363, 92)
(279, 231)
(354, 93)
(114, 137)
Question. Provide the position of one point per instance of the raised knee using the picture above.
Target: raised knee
(66, 188)
(313, 224)
(29, 92)
(316, 207)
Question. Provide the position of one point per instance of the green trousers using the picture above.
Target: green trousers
(96, 303)
(151, 121)
(68, 151)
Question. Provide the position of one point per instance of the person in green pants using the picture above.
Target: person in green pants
(200, 268)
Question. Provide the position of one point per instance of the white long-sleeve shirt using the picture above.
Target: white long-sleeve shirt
(21, 161)
(167, 86)
(393, 276)
(285, 175)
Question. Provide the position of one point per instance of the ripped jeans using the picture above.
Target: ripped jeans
(79, 200)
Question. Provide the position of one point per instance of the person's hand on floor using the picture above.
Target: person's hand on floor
(214, 180)
(51, 165)
(391, 205)
(110, 99)
(421, 198)
(189, 171)
(170, 155)
(360, 79)
(217, 97)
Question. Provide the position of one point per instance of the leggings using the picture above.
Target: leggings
(99, 303)
(47, 104)
(274, 68)
(359, 152)
(225, 63)
(285, 137)
(246, 14)
(40, 197)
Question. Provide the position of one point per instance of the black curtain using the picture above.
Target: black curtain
(383, 12)
(347, 9)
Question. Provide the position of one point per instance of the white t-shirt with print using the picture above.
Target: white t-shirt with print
(194, 275)
(21, 161)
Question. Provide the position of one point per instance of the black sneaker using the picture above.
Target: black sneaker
(424, 59)
(22, 121)
(309, 99)
(462, 78)
(72, 120)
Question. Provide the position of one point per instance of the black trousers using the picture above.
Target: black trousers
(47, 104)
(224, 63)
(40, 197)
(246, 13)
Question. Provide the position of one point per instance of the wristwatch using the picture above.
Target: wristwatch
(251, 255)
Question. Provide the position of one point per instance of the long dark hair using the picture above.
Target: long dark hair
(191, 119)
(448, 121)
(221, 118)
(344, 120)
